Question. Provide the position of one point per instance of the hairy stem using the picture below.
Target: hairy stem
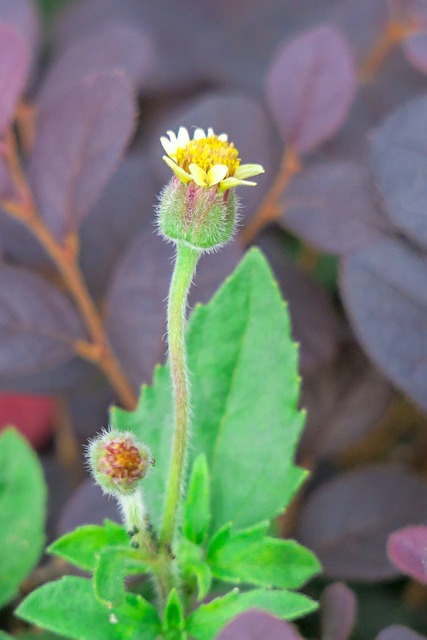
(185, 265)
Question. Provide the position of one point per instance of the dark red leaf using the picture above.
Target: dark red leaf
(80, 142)
(311, 87)
(254, 625)
(385, 295)
(338, 612)
(330, 205)
(407, 549)
(32, 415)
(346, 521)
(14, 66)
(38, 325)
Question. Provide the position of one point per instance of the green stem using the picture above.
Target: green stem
(185, 265)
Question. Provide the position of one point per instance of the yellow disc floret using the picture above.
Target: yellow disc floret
(207, 160)
(208, 152)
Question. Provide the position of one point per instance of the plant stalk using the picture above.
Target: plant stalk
(185, 265)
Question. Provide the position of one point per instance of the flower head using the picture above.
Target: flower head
(118, 462)
(207, 160)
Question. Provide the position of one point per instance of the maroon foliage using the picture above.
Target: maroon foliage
(311, 86)
(407, 549)
(14, 66)
(347, 520)
(80, 141)
(255, 625)
(338, 611)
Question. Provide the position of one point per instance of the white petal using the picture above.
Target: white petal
(183, 137)
(223, 137)
(179, 171)
(198, 175)
(216, 174)
(168, 146)
(210, 133)
(248, 170)
(230, 183)
(172, 136)
(199, 134)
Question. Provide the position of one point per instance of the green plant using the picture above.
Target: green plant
(200, 519)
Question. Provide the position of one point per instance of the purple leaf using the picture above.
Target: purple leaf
(177, 32)
(363, 22)
(397, 632)
(38, 326)
(87, 505)
(307, 300)
(344, 400)
(254, 625)
(338, 612)
(415, 48)
(80, 141)
(119, 215)
(23, 16)
(330, 205)
(136, 307)
(311, 86)
(115, 47)
(398, 148)
(385, 296)
(346, 521)
(74, 375)
(14, 66)
(407, 550)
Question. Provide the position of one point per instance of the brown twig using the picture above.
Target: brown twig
(270, 207)
(98, 350)
(394, 32)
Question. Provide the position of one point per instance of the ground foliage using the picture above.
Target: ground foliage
(330, 96)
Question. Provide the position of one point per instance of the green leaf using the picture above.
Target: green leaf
(192, 564)
(69, 607)
(82, 546)
(113, 565)
(209, 619)
(196, 507)
(251, 557)
(22, 512)
(174, 612)
(246, 387)
(245, 391)
(5, 636)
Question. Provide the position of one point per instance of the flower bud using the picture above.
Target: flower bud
(203, 218)
(118, 462)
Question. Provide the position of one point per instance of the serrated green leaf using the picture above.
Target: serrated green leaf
(197, 504)
(174, 612)
(209, 619)
(22, 512)
(5, 636)
(69, 607)
(245, 391)
(192, 564)
(251, 557)
(82, 546)
(112, 567)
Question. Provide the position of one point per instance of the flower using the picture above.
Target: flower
(207, 159)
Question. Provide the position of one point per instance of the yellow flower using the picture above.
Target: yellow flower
(207, 159)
